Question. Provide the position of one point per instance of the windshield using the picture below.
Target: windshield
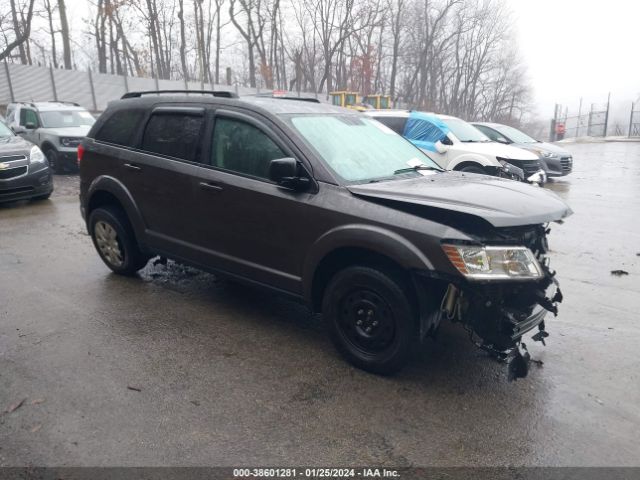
(515, 135)
(5, 131)
(66, 118)
(465, 132)
(360, 149)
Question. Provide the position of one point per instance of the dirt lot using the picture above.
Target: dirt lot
(178, 368)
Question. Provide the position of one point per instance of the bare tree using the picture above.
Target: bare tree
(64, 31)
(21, 29)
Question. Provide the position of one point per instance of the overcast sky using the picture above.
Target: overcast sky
(577, 48)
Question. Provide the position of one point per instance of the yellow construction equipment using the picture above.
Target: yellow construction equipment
(344, 99)
(378, 101)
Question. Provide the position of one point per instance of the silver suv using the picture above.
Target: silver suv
(56, 127)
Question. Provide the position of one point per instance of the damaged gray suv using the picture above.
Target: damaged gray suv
(327, 206)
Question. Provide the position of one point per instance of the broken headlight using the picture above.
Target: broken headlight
(494, 262)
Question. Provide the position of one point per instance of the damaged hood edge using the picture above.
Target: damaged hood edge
(502, 203)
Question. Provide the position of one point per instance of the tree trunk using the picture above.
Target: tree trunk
(64, 30)
(183, 42)
(19, 32)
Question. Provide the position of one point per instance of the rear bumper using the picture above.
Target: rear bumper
(68, 158)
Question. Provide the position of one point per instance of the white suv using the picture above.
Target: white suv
(457, 145)
(56, 127)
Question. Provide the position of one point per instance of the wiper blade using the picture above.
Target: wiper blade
(415, 169)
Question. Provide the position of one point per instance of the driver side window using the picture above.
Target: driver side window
(28, 116)
(242, 148)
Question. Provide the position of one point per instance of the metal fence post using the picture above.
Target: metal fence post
(589, 121)
(633, 106)
(578, 123)
(552, 132)
(93, 92)
(6, 69)
(53, 83)
(606, 116)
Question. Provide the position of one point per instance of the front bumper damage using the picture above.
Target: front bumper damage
(497, 317)
(496, 314)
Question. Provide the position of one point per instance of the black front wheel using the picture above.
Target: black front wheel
(54, 160)
(370, 319)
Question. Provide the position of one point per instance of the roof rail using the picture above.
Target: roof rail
(215, 93)
(269, 95)
(65, 102)
(301, 99)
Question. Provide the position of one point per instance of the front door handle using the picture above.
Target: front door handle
(130, 166)
(210, 186)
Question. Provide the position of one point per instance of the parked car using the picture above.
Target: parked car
(456, 145)
(325, 205)
(24, 173)
(555, 160)
(56, 127)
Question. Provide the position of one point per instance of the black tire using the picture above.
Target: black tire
(366, 295)
(54, 160)
(473, 169)
(129, 254)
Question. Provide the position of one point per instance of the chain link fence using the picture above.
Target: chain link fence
(596, 120)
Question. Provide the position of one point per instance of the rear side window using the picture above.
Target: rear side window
(394, 123)
(176, 135)
(120, 128)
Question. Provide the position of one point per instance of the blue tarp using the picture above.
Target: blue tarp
(424, 130)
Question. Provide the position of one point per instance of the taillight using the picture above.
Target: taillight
(80, 153)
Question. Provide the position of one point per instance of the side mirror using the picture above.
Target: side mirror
(285, 172)
(19, 129)
(441, 147)
(30, 126)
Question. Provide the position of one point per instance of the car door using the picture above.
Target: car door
(29, 117)
(159, 175)
(247, 225)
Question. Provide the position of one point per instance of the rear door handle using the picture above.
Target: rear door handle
(210, 186)
(130, 166)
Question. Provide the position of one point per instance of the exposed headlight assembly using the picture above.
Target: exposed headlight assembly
(36, 155)
(494, 262)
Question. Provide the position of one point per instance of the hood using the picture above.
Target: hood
(544, 146)
(494, 149)
(502, 203)
(14, 145)
(80, 131)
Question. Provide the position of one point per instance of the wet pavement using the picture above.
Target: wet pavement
(178, 368)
